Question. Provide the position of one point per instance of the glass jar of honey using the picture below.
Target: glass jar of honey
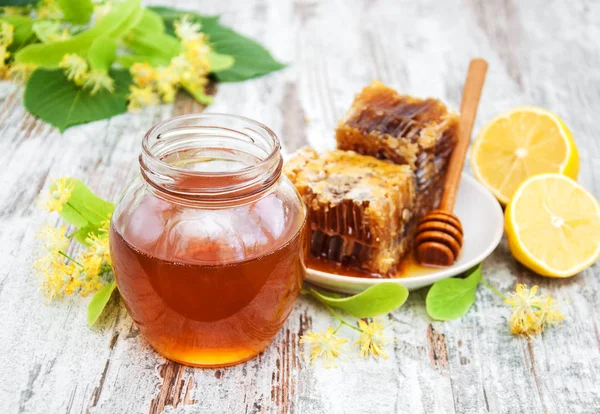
(207, 243)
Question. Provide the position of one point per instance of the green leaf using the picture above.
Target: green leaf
(251, 59)
(51, 97)
(121, 18)
(44, 28)
(76, 11)
(102, 53)
(377, 300)
(23, 31)
(84, 208)
(219, 62)
(99, 302)
(450, 299)
(150, 22)
(4, 3)
(83, 233)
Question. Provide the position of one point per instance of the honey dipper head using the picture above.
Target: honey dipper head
(439, 239)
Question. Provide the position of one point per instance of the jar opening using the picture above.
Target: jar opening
(210, 157)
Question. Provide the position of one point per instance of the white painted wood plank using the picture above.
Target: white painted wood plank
(541, 53)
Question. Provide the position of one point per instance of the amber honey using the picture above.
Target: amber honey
(208, 315)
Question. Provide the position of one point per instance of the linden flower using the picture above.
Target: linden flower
(75, 67)
(143, 74)
(54, 239)
(96, 256)
(49, 10)
(60, 192)
(20, 72)
(185, 29)
(4, 55)
(98, 81)
(140, 97)
(327, 346)
(166, 84)
(372, 341)
(6, 34)
(531, 313)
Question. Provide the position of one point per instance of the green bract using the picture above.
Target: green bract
(377, 300)
(76, 11)
(450, 299)
(99, 302)
(102, 53)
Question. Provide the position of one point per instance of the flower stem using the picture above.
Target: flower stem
(342, 322)
(493, 289)
(70, 258)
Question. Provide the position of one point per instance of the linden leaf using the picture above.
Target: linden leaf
(150, 22)
(450, 299)
(154, 44)
(379, 299)
(99, 302)
(51, 97)
(250, 58)
(76, 11)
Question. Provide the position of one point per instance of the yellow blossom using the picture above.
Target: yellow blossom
(143, 74)
(196, 52)
(54, 239)
(140, 97)
(372, 341)
(6, 34)
(20, 72)
(75, 67)
(97, 254)
(186, 29)
(326, 345)
(531, 313)
(98, 81)
(166, 84)
(4, 55)
(60, 192)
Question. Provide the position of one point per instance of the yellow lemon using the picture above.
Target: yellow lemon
(553, 226)
(519, 144)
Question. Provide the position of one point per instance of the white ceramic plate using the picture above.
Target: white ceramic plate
(483, 222)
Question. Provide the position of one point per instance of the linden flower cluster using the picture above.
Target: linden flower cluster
(328, 346)
(6, 39)
(78, 71)
(189, 70)
(531, 313)
(60, 274)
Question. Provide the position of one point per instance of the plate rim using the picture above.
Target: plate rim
(428, 279)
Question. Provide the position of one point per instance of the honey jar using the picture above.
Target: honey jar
(208, 242)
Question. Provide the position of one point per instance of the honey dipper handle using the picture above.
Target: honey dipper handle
(468, 110)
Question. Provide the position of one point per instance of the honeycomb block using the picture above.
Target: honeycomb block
(420, 133)
(361, 209)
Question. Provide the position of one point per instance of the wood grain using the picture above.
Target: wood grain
(540, 52)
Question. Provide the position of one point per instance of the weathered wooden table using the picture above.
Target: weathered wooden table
(541, 52)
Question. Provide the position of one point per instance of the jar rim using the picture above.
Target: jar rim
(243, 134)
(276, 147)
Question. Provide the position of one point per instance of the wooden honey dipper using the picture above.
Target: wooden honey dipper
(439, 236)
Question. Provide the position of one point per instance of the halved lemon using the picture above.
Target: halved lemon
(553, 226)
(519, 144)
